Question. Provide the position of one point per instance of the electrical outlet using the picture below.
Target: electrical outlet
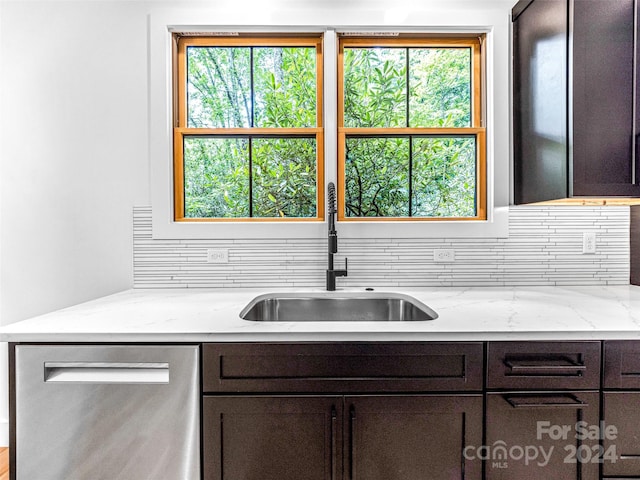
(589, 242)
(444, 255)
(217, 255)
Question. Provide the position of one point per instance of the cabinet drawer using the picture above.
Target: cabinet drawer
(537, 422)
(342, 367)
(622, 364)
(543, 365)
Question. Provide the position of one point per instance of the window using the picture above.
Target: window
(411, 145)
(248, 127)
(248, 136)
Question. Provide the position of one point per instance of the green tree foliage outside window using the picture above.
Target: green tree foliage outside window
(414, 174)
(248, 142)
(246, 172)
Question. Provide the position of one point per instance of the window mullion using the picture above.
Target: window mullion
(250, 176)
(410, 176)
(407, 87)
(408, 124)
(252, 122)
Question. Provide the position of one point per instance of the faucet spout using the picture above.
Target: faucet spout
(333, 240)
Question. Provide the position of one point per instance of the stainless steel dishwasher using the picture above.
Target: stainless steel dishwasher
(107, 412)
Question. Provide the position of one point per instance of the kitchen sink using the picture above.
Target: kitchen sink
(336, 307)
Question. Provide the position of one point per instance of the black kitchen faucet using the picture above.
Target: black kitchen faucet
(333, 241)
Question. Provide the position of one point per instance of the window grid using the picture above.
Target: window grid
(476, 129)
(182, 130)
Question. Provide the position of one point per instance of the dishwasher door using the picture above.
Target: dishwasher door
(87, 412)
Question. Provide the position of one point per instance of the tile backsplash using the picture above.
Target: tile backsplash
(544, 247)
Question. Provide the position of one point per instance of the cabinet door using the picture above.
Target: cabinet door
(412, 437)
(540, 100)
(603, 96)
(534, 436)
(622, 364)
(272, 438)
(622, 413)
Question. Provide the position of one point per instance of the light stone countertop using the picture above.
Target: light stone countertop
(465, 314)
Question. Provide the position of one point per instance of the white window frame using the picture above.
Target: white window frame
(494, 22)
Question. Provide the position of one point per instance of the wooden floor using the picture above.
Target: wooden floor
(4, 463)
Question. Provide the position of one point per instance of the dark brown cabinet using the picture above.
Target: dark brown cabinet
(342, 367)
(272, 438)
(543, 365)
(384, 437)
(538, 428)
(622, 365)
(540, 103)
(349, 411)
(537, 435)
(621, 409)
(621, 414)
(412, 437)
(604, 129)
(574, 70)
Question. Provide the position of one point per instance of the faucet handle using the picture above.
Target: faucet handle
(343, 273)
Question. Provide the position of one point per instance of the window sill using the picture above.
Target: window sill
(592, 202)
(497, 227)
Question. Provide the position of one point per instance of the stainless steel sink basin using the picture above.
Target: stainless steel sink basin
(336, 307)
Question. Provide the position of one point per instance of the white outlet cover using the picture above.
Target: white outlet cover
(589, 242)
(444, 255)
(217, 255)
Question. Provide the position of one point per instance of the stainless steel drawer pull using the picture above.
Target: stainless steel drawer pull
(352, 434)
(105, 372)
(555, 364)
(554, 400)
(334, 419)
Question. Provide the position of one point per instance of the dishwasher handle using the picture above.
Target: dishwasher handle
(106, 372)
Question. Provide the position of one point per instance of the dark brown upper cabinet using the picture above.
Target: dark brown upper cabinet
(574, 99)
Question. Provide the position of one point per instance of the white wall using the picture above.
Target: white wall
(73, 156)
(74, 141)
(4, 374)
(74, 151)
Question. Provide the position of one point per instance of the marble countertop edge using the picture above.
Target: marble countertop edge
(465, 314)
